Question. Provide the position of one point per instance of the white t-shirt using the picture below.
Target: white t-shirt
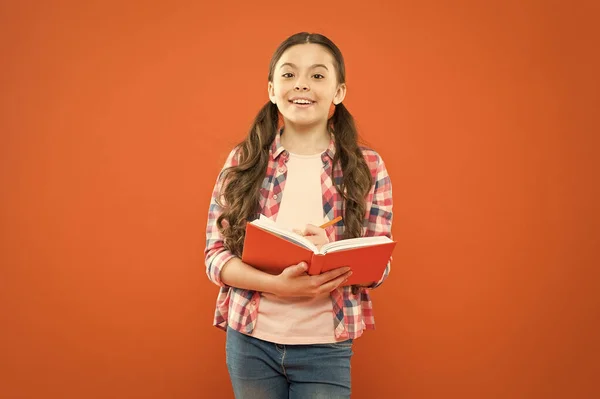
(298, 320)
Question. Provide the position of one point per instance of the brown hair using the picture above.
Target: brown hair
(241, 190)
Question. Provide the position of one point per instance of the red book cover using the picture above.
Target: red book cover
(271, 253)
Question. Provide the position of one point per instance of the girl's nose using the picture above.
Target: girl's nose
(301, 86)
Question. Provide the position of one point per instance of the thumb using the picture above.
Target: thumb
(298, 269)
(298, 231)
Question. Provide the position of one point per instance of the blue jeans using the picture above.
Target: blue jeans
(264, 370)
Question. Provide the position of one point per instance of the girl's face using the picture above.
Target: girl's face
(305, 84)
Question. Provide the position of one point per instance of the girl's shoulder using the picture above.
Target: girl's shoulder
(233, 158)
(372, 158)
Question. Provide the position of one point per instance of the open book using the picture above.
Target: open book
(271, 248)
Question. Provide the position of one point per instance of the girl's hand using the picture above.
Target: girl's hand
(295, 282)
(314, 234)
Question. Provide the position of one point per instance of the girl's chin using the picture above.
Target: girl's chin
(299, 120)
(303, 122)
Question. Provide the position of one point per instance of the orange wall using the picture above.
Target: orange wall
(115, 120)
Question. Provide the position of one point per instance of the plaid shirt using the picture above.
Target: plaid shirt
(352, 311)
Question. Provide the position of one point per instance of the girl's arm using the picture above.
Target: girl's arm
(236, 273)
(215, 253)
(381, 215)
(292, 282)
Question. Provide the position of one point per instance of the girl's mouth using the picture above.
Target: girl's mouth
(302, 103)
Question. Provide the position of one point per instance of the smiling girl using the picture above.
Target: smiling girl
(291, 335)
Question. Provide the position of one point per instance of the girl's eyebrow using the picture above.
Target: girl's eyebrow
(311, 67)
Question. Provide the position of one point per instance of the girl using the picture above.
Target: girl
(290, 335)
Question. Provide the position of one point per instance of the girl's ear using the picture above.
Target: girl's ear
(340, 94)
(271, 90)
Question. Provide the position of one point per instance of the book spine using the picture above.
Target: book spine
(316, 264)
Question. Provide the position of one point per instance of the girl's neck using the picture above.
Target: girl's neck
(305, 140)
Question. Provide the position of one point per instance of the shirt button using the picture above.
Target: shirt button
(281, 170)
(253, 303)
(275, 196)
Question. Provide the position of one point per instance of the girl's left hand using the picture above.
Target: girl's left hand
(314, 234)
(318, 236)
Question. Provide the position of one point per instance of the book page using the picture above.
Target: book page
(269, 225)
(354, 243)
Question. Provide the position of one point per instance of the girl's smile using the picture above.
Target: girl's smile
(302, 102)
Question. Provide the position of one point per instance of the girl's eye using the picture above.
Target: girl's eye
(318, 76)
(287, 75)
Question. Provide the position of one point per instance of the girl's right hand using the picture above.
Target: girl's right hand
(295, 282)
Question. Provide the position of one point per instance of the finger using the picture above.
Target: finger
(333, 284)
(315, 240)
(332, 274)
(311, 229)
(298, 231)
(297, 270)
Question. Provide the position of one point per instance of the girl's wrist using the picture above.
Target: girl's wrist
(270, 284)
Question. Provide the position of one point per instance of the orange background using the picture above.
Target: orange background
(116, 119)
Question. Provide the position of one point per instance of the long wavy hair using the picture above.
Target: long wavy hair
(240, 194)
